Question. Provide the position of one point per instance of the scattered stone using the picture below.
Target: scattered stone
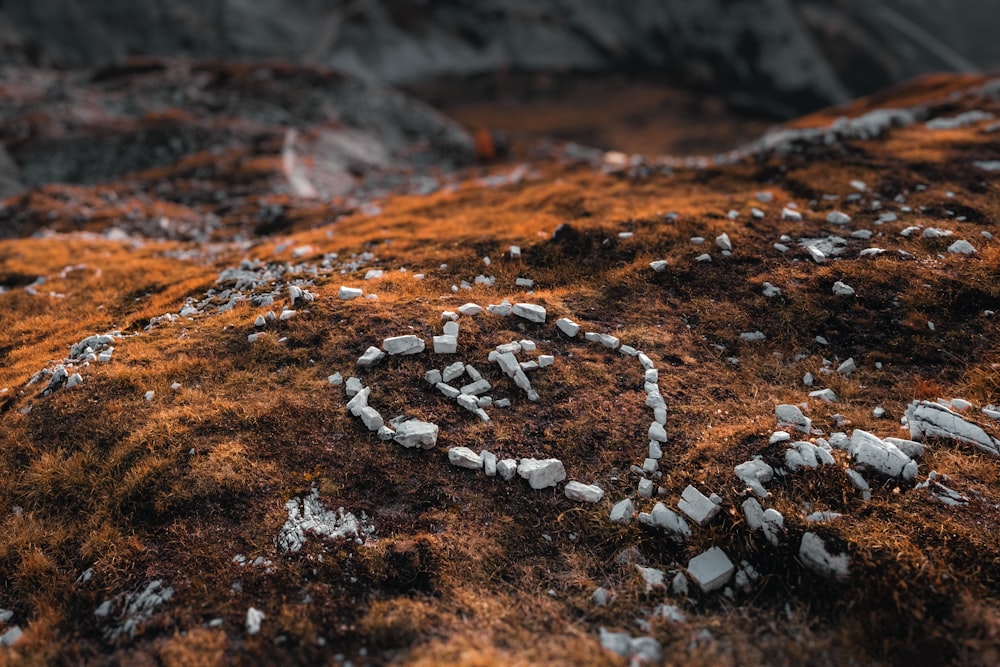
(704, 257)
(470, 309)
(336, 380)
(697, 506)
(823, 517)
(790, 415)
(399, 345)
(881, 456)
(653, 578)
(602, 597)
(11, 636)
(909, 447)
(446, 344)
(838, 218)
(940, 492)
(752, 337)
(530, 312)
(448, 390)
(432, 376)
(816, 254)
(659, 266)
(755, 474)
(463, 457)
(623, 511)
(584, 493)
(842, 289)
(415, 433)
(360, 400)
(711, 570)
(847, 367)
(371, 418)
(541, 473)
(489, 463)
(451, 328)
(770, 291)
(371, 357)
(927, 419)
(666, 519)
(353, 386)
(791, 215)
(856, 480)
(453, 371)
(723, 243)
(825, 395)
(253, 620)
(646, 488)
(610, 342)
(962, 248)
(779, 436)
(814, 556)
(507, 468)
(657, 433)
(476, 388)
(545, 360)
(641, 650)
(808, 379)
(348, 293)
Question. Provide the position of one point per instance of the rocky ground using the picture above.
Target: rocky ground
(289, 376)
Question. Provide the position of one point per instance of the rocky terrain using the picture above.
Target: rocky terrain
(296, 370)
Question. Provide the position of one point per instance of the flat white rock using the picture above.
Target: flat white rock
(584, 493)
(348, 293)
(791, 415)
(882, 456)
(541, 473)
(697, 506)
(711, 570)
(927, 419)
(463, 457)
(530, 312)
(755, 474)
(814, 555)
(408, 344)
(415, 433)
(623, 511)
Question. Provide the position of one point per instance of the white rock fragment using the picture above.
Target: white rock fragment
(530, 312)
(711, 570)
(791, 415)
(400, 345)
(415, 433)
(353, 386)
(348, 293)
(541, 473)
(838, 218)
(653, 578)
(884, 457)
(480, 386)
(336, 379)
(610, 342)
(450, 328)
(752, 336)
(927, 419)
(816, 254)
(704, 257)
(507, 468)
(545, 360)
(659, 266)
(779, 436)
(253, 620)
(524, 282)
(791, 215)
(602, 597)
(623, 511)
(359, 402)
(432, 377)
(962, 248)
(825, 395)
(847, 367)
(260, 321)
(470, 309)
(584, 493)
(463, 457)
(646, 488)
(815, 556)
(449, 316)
(755, 474)
(445, 344)
(500, 310)
(448, 390)
(657, 433)
(842, 289)
(372, 356)
(666, 519)
(770, 291)
(697, 506)
(723, 243)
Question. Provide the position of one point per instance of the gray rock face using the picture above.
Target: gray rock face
(541, 473)
(927, 419)
(414, 433)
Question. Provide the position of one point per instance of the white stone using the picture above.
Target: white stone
(408, 344)
(353, 386)
(260, 321)
(623, 511)
(470, 309)
(449, 316)
(659, 266)
(385, 434)
(814, 555)
(500, 310)
(960, 405)
(489, 463)
(825, 395)
(149, 395)
(909, 447)
(507, 468)
(711, 570)
(286, 315)
(476, 388)
(882, 456)
(847, 367)
(838, 218)
(253, 620)
(704, 257)
(530, 312)
(451, 328)
(453, 371)
(657, 432)
(927, 419)
(646, 488)
(770, 291)
(463, 457)
(541, 473)
(372, 356)
(653, 578)
(610, 342)
(545, 360)
(755, 474)
(780, 247)
(791, 415)
(779, 436)
(372, 419)
(528, 345)
(448, 390)
(723, 243)
(348, 293)
(842, 289)
(602, 597)
(816, 254)
(697, 506)
(432, 376)
(668, 520)
(359, 402)
(961, 248)
(584, 493)
(336, 380)
(856, 480)
(655, 451)
(414, 433)
(791, 214)
(445, 344)
(752, 336)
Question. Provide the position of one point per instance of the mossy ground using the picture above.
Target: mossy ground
(470, 570)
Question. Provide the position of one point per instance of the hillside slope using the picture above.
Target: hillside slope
(182, 480)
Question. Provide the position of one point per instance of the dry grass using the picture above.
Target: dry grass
(472, 571)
